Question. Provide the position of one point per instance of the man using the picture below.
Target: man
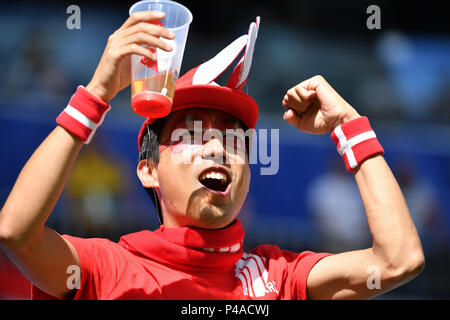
(197, 253)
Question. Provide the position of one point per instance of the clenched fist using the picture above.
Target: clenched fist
(313, 106)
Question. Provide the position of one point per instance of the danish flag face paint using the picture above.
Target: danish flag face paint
(193, 131)
(356, 141)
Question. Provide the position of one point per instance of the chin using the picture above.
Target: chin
(212, 217)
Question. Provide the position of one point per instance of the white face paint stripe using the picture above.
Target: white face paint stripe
(81, 118)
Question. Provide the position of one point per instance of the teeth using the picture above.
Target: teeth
(214, 175)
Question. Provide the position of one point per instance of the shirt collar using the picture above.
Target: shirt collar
(189, 248)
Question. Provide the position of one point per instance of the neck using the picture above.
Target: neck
(169, 222)
(190, 248)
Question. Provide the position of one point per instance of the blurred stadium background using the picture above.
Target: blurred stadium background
(398, 76)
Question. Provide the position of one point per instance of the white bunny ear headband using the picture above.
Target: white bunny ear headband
(207, 72)
(197, 89)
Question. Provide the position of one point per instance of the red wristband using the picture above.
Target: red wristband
(83, 115)
(356, 141)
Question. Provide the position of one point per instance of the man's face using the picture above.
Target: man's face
(203, 172)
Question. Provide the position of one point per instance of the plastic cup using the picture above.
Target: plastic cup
(153, 83)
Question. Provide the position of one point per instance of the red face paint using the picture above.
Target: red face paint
(195, 129)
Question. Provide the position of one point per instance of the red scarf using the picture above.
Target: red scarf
(190, 249)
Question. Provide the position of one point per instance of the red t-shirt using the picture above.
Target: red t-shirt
(188, 263)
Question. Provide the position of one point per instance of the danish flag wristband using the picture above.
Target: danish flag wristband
(356, 141)
(83, 115)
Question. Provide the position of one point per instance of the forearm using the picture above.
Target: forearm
(395, 239)
(37, 189)
(396, 250)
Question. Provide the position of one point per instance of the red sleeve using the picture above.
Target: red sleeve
(101, 267)
(289, 270)
(299, 271)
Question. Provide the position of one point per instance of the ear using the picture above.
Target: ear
(148, 174)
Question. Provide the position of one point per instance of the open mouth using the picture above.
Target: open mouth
(216, 179)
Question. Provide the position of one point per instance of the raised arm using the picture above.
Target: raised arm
(39, 252)
(396, 254)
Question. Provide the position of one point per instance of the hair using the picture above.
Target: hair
(150, 152)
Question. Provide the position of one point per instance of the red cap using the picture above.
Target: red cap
(197, 89)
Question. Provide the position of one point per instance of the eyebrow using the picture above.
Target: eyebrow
(230, 121)
(219, 120)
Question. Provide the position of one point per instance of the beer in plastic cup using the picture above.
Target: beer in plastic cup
(153, 82)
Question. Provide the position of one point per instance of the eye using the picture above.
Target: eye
(190, 133)
(236, 141)
(185, 137)
(192, 137)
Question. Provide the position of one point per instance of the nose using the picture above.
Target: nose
(214, 150)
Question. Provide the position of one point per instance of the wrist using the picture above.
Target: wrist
(96, 91)
(349, 116)
(83, 115)
(356, 141)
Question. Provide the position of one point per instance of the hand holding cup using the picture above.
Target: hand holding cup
(113, 72)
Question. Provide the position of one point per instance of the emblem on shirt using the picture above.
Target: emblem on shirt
(251, 270)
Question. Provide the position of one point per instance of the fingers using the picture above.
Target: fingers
(117, 53)
(315, 107)
(302, 96)
(142, 16)
(325, 92)
(134, 48)
(298, 98)
(291, 117)
(148, 28)
(137, 31)
(144, 38)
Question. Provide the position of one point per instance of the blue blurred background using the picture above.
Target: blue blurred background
(398, 76)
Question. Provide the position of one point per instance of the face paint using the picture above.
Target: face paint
(193, 130)
(187, 133)
(235, 140)
(183, 140)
